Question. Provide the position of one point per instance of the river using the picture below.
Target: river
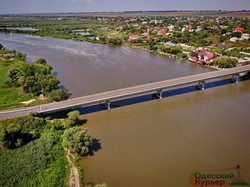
(157, 142)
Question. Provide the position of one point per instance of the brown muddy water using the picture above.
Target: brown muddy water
(156, 142)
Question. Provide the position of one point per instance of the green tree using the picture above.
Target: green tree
(58, 95)
(31, 85)
(14, 74)
(225, 62)
(58, 124)
(21, 56)
(236, 34)
(49, 83)
(42, 69)
(41, 61)
(72, 118)
(18, 131)
(78, 140)
(115, 41)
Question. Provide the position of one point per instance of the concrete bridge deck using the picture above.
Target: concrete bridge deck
(107, 97)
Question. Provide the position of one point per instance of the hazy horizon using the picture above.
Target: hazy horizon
(75, 6)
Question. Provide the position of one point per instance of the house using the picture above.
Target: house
(162, 32)
(244, 37)
(119, 28)
(132, 37)
(170, 28)
(154, 21)
(205, 57)
(209, 56)
(189, 26)
(234, 39)
(198, 29)
(245, 61)
(193, 59)
(241, 63)
(183, 29)
(238, 29)
(169, 44)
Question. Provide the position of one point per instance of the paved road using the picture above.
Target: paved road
(123, 93)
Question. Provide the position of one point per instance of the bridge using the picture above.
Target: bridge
(110, 96)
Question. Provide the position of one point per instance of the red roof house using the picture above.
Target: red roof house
(193, 59)
(131, 37)
(238, 29)
(209, 55)
(205, 55)
(162, 32)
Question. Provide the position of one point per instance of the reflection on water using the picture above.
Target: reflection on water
(154, 142)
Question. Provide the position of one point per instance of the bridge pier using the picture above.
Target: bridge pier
(235, 78)
(201, 85)
(159, 94)
(107, 104)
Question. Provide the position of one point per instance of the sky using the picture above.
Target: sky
(61, 6)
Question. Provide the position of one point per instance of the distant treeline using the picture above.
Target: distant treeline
(70, 13)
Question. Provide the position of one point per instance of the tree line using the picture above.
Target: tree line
(35, 78)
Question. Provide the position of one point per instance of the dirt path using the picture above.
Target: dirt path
(74, 175)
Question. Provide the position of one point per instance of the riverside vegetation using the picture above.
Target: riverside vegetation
(21, 81)
(31, 151)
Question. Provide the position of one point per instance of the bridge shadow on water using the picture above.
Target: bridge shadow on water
(150, 97)
(143, 98)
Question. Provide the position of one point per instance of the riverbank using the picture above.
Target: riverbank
(74, 178)
(169, 55)
(93, 40)
(25, 85)
(48, 158)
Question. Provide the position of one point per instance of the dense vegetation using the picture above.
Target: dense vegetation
(40, 162)
(77, 140)
(18, 131)
(225, 62)
(21, 81)
(34, 78)
(33, 147)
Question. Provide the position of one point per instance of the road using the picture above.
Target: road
(123, 93)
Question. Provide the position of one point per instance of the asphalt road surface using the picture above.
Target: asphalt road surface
(123, 93)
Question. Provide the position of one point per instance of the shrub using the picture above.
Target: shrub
(78, 140)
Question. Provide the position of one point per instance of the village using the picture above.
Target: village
(214, 42)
